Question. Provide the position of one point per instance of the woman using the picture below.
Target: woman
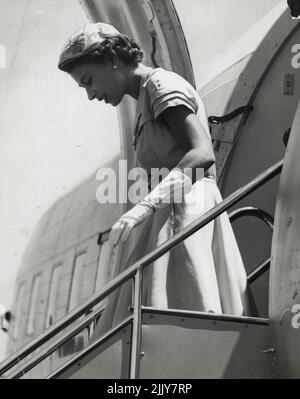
(205, 272)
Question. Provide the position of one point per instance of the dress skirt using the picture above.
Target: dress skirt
(203, 273)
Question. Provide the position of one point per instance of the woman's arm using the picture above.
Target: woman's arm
(188, 130)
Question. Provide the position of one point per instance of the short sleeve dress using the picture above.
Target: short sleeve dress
(205, 272)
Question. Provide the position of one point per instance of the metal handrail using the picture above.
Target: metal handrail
(255, 212)
(90, 349)
(140, 264)
(261, 269)
(52, 347)
(269, 221)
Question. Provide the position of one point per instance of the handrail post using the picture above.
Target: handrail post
(255, 212)
(136, 329)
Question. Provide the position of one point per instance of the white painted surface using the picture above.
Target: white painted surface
(220, 33)
(2, 56)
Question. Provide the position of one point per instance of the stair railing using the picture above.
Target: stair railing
(134, 271)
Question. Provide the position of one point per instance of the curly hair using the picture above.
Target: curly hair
(121, 46)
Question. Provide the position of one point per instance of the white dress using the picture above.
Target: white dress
(205, 272)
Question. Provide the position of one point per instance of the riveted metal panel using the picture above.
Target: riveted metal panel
(286, 340)
(176, 346)
(285, 263)
(109, 360)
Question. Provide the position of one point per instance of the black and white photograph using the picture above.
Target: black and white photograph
(150, 195)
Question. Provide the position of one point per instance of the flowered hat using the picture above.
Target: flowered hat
(84, 41)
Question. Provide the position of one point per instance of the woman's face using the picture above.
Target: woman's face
(101, 81)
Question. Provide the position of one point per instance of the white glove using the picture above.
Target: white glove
(171, 189)
(130, 219)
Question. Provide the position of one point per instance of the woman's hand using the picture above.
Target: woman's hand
(171, 189)
(120, 230)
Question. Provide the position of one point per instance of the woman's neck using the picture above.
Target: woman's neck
(136, 79)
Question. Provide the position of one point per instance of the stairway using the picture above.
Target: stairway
(179, 345)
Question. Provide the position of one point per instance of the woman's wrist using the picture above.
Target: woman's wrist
(171, 189)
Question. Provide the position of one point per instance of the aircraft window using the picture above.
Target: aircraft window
(77, 281)
(105, 264)
(87, 285)
(53, 296)
(33, 304)
(79, 292)
(18, 310)
(105, 269)
(2, 56)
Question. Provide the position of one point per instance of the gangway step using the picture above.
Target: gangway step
(179, 344)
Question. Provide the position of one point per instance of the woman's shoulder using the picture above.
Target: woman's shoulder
(168, 89)
(162, 80)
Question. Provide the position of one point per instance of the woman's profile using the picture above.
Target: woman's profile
(205, 272)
